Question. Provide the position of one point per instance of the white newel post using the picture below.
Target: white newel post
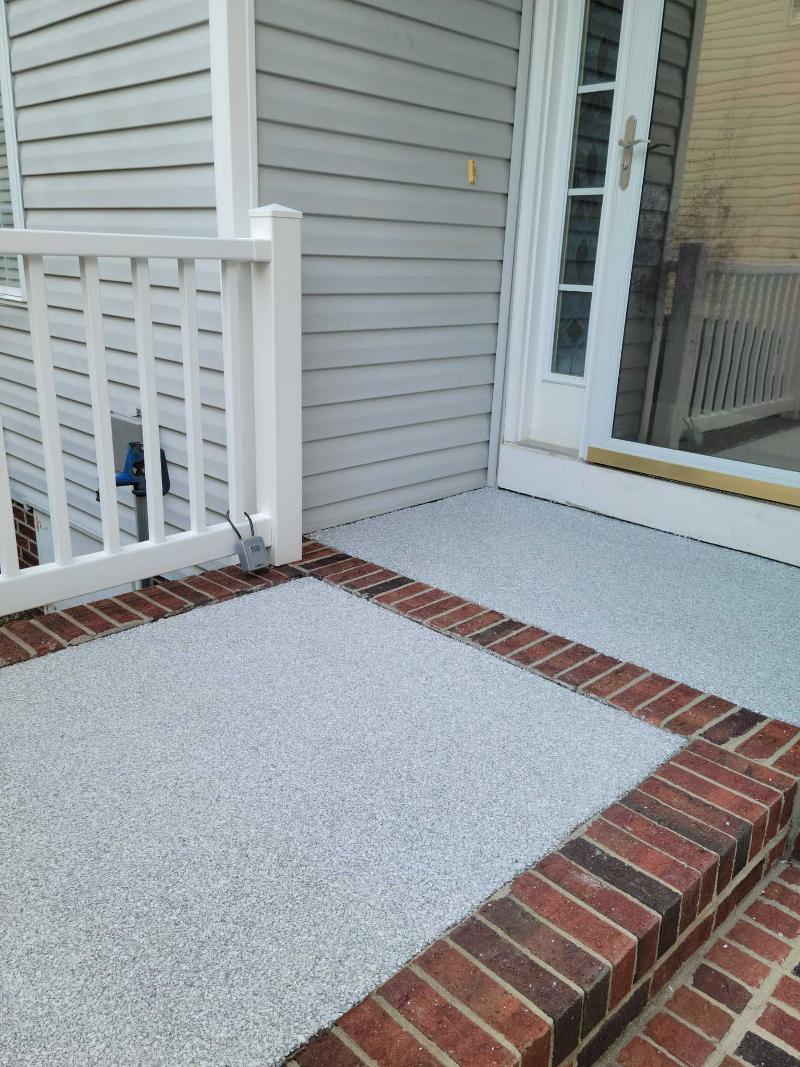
(277, 378)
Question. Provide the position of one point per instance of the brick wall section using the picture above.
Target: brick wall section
(25, 530)
(740, 1005)
(27, 638)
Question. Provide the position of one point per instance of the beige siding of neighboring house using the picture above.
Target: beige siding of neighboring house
(741, 187)
(113, 111)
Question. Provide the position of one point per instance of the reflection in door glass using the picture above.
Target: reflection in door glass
(592, 129)
(711, 355)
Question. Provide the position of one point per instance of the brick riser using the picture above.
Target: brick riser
(740, 1004)
(558, 965)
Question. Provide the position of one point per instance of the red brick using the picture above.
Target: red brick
(11, 651)
(149, 608)
(529, 657)
(610, 902)
(430, 610)
(333, 571)
(252, 579)
(784, 1026)
(379, 577)
(558, 1000)
(351, 573)
(506, 1014)
(444, 1025)
(684, 879)
(607, 685)
(323, 560)
(738, 893)
(526, 636)
(729, 958)
(666, 841)
(404, 592)
(63, 627)
(327, 1051)
(451, 618)
(557, 951)
(227, 581)
(784, 896)
(679, 1040)
(376, 1032)
(211, 589)
(699, 715)
(732, 726)
(788, 991)
(479, 622)
(739, 783)
(790, 761)
(430, 596)
(722, 988)
(640, 1053)
(583, 926)
(500, 630)
(563, 661)
(759, 772)
(40, 641)
(693, 829)
(748, 810)
(641, 692)
(586, 672)
(738, 829)
(700, 1012)
(758, 941)
(88, 618)
(772, 737)
(668, 704)
(166, 599)
(685, 948)
(790, 875)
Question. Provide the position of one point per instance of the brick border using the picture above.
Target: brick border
(26, 639)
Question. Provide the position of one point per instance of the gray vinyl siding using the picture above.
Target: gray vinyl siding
(367, 115)
(659, 178)
(113, 108)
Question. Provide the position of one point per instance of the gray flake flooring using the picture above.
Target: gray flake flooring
(719, 620)
(221, 830)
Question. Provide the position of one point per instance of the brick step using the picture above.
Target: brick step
(738, 1006)
(557, 965)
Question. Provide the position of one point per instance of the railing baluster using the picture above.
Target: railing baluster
(143, 316)
(9, 560)
(49, 424)
(101, 406)
(187, 282)
(237, 362)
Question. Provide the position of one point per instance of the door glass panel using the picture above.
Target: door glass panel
(590, 135)
(711, 355)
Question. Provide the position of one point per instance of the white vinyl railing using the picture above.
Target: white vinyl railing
(260, 303)
(732, 351)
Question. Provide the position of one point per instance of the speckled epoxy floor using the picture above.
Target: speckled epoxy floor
(721, 621)
(221, 830)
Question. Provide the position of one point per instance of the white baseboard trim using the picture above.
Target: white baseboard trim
(740, 523)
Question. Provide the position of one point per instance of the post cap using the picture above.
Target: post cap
(275, 211)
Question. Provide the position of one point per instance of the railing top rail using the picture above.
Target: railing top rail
(132, 245)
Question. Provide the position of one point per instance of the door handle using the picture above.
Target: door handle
(627, 143)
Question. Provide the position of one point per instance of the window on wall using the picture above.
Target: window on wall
(10, 196)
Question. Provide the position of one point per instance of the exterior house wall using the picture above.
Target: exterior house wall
(743, 156)
(113, 115)
(367, 116)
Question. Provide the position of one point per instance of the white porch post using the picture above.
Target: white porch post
(231, 26)
(277, 378)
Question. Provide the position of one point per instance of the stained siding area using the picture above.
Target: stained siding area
(368, 113)
(655, 214)
(113, 107)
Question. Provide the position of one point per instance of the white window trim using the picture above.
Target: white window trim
(15, 295)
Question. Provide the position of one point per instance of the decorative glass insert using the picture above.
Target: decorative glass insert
(590, 140)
